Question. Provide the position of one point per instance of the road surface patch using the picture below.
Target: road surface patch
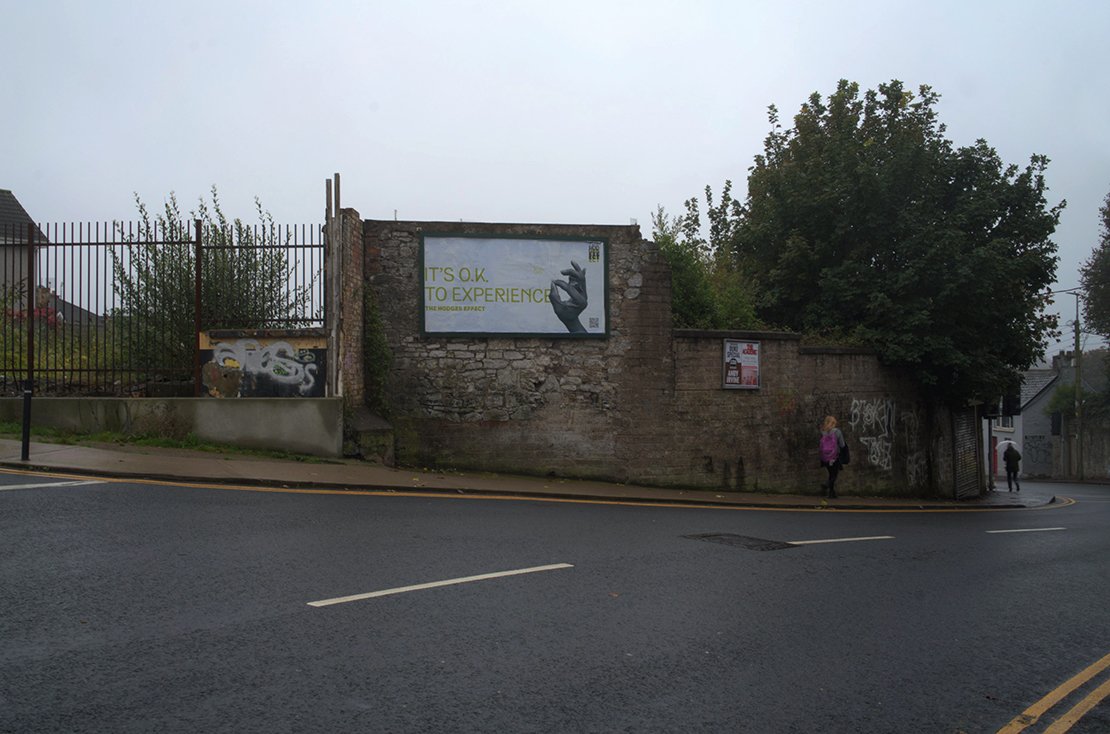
(740, 541)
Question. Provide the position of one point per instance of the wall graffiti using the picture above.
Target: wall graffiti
(1037, 458)
(876, 417)
(249, 368)
(877, 423)
(872, 421)
(878, 451)
(917, 467)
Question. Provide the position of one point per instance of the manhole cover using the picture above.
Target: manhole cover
(741, 541)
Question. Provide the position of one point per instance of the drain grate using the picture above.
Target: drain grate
(741, 541)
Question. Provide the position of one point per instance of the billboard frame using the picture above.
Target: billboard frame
(426, 333)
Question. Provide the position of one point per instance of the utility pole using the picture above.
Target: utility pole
(1078, 393)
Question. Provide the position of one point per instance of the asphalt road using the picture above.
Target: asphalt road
(133, 607)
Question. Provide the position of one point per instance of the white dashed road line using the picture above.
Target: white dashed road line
(5, 488)
(839, 540)
(1027, 530)
(434, 584)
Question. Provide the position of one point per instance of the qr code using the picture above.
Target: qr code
(594, 322)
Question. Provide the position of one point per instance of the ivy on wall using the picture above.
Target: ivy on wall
(377, 358)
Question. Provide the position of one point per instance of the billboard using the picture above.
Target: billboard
(514, 287)
(741, 364)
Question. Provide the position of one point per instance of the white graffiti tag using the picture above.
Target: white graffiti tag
(876, 416)
(878, 451)
(279, 362)
(873, 422)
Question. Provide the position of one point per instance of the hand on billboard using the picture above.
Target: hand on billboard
(569, 310)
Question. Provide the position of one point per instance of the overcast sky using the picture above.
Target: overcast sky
(589, 112)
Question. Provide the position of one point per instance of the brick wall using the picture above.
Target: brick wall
(644, 405)
(765, 439)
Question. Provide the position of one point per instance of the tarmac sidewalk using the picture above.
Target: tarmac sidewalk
(183, 465)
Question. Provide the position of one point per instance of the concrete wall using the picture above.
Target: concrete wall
(307, 426)
(1037, 440)
(1095, 430)
(644, 405)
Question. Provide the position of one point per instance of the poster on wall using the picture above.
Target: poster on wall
(741, 364)
(514, 287)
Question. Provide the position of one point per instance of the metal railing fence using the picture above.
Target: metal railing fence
(111, 308)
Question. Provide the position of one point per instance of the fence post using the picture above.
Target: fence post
(333, 248)
(28, 386)
(197, 386)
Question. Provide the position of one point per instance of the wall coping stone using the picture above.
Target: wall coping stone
(265, 333)
(737, 334)
(836, 350)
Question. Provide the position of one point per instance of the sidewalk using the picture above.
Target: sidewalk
(182, 465)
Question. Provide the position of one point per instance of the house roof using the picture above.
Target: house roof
(71, 313)
(14, 219)
(1034, 382)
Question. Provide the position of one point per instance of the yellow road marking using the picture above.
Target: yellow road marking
(1068, 720)
(1032, 714)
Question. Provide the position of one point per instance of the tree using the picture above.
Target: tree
(692, 304)
(863, 220)
(1094, 277)
(707, 290)
(244, 276)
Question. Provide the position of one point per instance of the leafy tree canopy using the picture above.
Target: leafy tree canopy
(1095, 278)
(707, 291)
(244, 275)
(863, 219)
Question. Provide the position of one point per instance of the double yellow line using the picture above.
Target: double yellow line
(1033, 714)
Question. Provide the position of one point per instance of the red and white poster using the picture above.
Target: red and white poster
(741, 364)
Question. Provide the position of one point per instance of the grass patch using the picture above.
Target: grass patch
(47, 434)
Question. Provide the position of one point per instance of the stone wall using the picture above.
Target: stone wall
(646, 404)
(351, 283)
(545, 404)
